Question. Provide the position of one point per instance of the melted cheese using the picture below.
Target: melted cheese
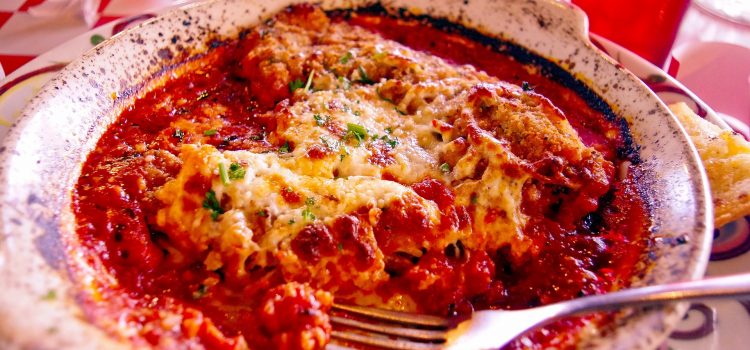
(423, 118)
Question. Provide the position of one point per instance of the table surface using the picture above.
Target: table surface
(697, 54)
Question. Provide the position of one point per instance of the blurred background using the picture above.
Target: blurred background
(703, 43)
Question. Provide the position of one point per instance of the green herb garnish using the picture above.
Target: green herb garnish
(445, 167)
(330, 144)
(262, 213)
(202, 95)
(308, 215)
(319, 121)
(526, 87)
(296, 84)
(223, 174)
(358, 131)
(179, 134)
(392, 142)
(363, 77)
(291, 222)
(474, 199)
(340, 247)
(344, 82)
(212, 204)
(346, 57)
(284, 148)
(236, 171)
(310, 201)
(210, 132)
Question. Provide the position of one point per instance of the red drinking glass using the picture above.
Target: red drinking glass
(646, 27)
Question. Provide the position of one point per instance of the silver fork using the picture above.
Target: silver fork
(494, 328)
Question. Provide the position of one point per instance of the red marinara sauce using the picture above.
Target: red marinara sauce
(168, 300)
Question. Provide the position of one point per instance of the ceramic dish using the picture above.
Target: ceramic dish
(43, 152)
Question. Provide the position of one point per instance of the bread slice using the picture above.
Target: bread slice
(726, 156)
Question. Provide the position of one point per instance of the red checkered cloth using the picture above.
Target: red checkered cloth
(24, 36)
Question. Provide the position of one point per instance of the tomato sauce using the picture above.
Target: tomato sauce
(115, 206)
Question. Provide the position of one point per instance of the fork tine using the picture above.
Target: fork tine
(421, 334)
(395, 316)
(378, 340)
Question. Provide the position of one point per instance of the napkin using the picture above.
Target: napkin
(84, 9)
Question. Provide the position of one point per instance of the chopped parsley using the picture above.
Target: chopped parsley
(202, 95)
(308, 215)
(258, 137)
(340, 247)
(223, 174)
(236, 171)
(526, 87)
(212, 204)
(357, 113)
(363, 77)
(445, 167)
(399, 111)
(310, 201)
(296, 84)
(320, 121)
(284, 148)
(344, 82)
(291, 222)
(262, 213)
(346, 57)
(389, 130)
(358, 131)
(179, 134)
(330, 144)
(210, 132)
(474, 198)
(391, 142)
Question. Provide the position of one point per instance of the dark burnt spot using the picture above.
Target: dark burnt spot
(165, 54)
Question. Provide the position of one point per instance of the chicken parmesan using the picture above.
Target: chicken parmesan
(379, 160)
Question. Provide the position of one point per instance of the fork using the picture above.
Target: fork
(491, 329)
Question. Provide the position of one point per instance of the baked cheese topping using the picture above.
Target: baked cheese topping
(370, 128)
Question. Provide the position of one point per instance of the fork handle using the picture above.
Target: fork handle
(710, 288)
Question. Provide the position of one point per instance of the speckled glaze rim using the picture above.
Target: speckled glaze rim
(41, 158)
